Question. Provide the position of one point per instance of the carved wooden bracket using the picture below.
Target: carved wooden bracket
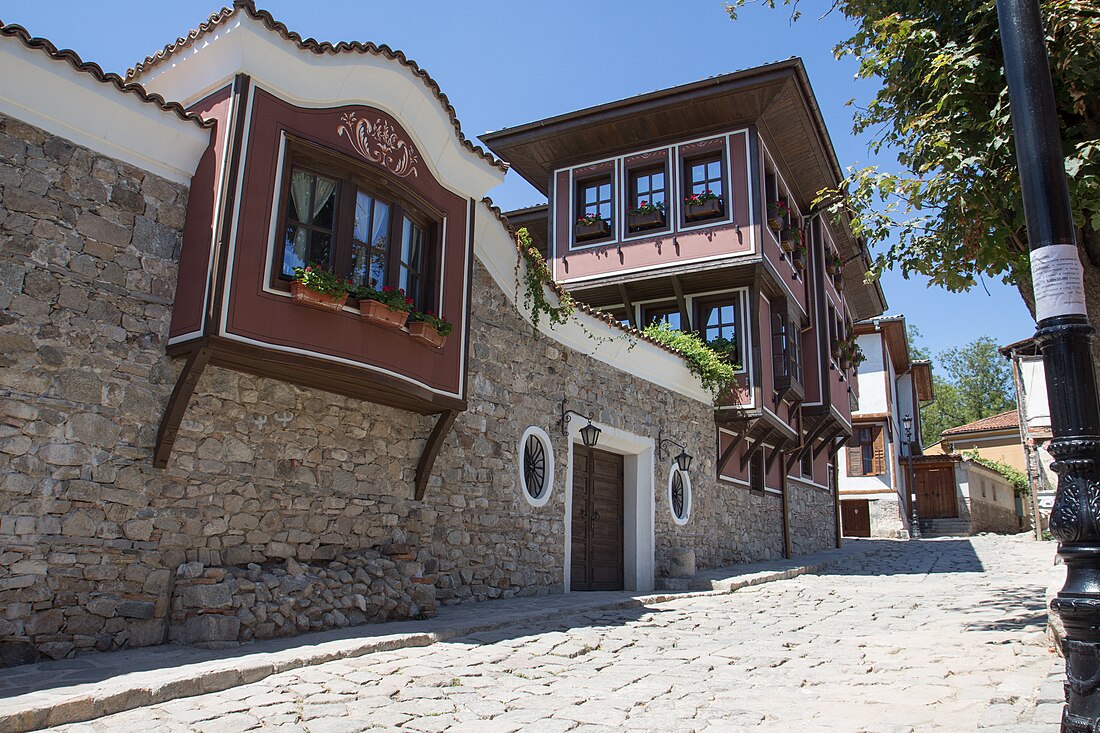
(431, 451)
(196, 363)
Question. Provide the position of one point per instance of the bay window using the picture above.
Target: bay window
(347, 220)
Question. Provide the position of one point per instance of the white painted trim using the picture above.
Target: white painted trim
(686, 480)
(497, 253)
(548, 447)
(639, 503)
(244, 45)
(53, 96)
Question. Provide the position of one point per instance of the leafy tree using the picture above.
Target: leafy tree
(955, 212)
(970, 383)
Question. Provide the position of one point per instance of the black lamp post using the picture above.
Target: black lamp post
(914, 521)
(590, 434)
(683, 460)
(1064, 336)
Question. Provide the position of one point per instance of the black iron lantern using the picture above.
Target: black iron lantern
(907, 423)
(590, 434)
(683, 461)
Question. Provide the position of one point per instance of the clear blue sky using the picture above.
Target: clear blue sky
(503, 63)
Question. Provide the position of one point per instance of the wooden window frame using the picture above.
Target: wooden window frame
(580, 185)
(703, 158)
(758, 478)
(702, 304)
(352, 178)
(867, 455)
(786, 348)
(652, 310)
(633, 175)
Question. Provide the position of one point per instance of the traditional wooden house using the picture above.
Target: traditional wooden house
(693, 206)
(193, 452)
(874, 498)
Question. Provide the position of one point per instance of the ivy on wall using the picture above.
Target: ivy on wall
(1015, 476)
(710, 362)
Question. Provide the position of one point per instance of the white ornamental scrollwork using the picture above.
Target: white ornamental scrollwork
(379, 143)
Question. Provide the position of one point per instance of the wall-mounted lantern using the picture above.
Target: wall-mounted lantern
(683, 460)
(590, 434)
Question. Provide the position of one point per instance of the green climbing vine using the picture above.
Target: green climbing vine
(1015, 476)
(537, 278)
(711, 365)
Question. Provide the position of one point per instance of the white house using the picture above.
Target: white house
(891, 386)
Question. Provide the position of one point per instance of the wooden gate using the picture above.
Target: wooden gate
(855, 517)
(935, 490)
(597, 535)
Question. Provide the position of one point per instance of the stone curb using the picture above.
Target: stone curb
(42, 709)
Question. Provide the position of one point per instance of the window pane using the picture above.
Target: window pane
(377, 268)
(363, 204)
(590, 195)
(380, 232)
(412, 244)
(301, 187)
(294, 250)
(658, 181)
(324, 203)
(319, 248)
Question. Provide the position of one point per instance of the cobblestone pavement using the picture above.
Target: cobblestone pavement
(936, 635)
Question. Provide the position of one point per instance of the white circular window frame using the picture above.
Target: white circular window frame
(549, 448)
(686, 478)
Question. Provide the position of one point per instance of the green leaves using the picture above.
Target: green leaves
(954, 212)
(711, 365)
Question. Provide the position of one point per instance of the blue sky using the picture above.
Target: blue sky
(503, 63)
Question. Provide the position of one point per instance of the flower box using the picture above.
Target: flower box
(645, 221)
(838, 282)
(426, 334)
(594, 230)
(786, 244)
(834, 348)
(707, 209)
(382, 315)
(776, 223)
(312, 299)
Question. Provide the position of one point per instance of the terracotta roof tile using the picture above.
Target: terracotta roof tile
(1003, 421)
(319, 48)
(21, 34)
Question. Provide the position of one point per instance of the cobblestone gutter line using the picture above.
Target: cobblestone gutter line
(148, 676)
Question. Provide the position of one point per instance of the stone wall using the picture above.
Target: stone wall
(886, 520)
(986, 516)
(270, 485)
(812, 518)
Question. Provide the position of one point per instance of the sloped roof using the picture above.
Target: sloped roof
(1005, 421)
(94, 70)
(316, 47)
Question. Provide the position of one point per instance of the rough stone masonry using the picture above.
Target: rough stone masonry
(283, 509)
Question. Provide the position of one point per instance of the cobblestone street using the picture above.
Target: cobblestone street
(941, 635)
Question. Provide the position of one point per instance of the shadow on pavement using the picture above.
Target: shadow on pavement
(1022, 609)
(914, 557)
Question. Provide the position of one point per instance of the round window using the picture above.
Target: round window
(536, 466)
(679, 495)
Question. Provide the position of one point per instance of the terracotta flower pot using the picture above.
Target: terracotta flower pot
(312, 299)
(426, 334)
(381, 314)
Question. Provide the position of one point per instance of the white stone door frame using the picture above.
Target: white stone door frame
(639, 502)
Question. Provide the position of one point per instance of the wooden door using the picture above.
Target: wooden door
(855, 517)
(935, 491)
(597, 534)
